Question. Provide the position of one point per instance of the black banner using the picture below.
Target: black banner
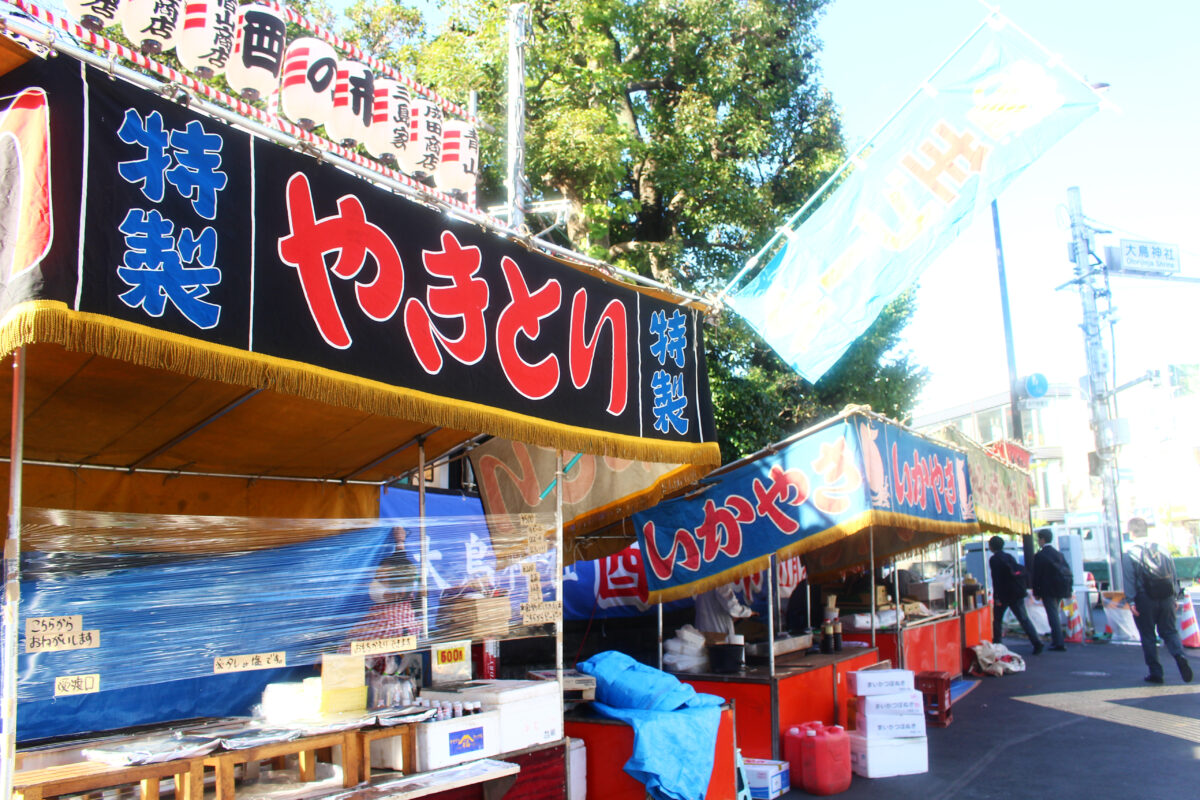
(196, 228)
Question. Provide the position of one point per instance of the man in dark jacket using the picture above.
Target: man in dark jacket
(1150, 587)
(1051, 584)
(1009, 592)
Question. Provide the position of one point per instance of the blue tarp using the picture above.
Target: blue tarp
(674, 726)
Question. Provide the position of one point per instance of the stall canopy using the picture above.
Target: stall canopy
(1000, 490)
(205, 308)
(822, 492)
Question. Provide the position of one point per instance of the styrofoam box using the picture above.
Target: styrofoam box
(889, 726)
(767, 779)
(865, 682)
(883, 758)
(577, 770)
(899, 703)
(530, 711)
(451, 741)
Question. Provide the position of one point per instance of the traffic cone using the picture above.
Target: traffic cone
(1074, 621)
(1189, 630)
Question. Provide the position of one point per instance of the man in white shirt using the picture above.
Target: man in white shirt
(718, 608)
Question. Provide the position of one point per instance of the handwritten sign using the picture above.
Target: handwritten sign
(76, 684)
(541, 613)
(38, 626)
(376, 647)
(529, 567)
(53, 642)
(535, 584)
(535, 535)
(248, 662)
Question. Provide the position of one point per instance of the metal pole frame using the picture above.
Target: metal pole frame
(424, 539)
(12, 577)
(558, 567)
(871, 574)
(518, 30)
(771, 616)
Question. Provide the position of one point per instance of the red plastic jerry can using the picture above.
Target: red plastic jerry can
(825, 760)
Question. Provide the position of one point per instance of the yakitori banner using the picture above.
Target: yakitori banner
(131, 219)
(813, 492)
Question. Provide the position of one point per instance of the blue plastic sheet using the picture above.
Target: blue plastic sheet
(674, 726)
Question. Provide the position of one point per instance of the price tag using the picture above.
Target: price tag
(377, 647)
(76, 684)
(53, 642)
(528, 567)
(541, 613)
(535, 585)
(535, 535)
(249, 662)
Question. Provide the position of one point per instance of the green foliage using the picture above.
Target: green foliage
(682, 133)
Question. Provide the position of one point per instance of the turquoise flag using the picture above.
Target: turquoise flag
(988, 113)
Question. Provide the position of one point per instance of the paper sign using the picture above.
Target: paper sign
(342, 671)
(76, 684)
(540, 613)
(529, 567)
(249, 662)
(535, 543)
(535, 585)
(37, 626)
(451, 661)
(53, 642)
(377, 647)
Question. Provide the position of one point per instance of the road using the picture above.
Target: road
(1080, 724)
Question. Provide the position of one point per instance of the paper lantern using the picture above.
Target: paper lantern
(459, 167)
(424, 138)
(206, 36)
(389, 124)
(151, 25)
(353, 103)
(309, 71)
(93, 14)
(258, 45)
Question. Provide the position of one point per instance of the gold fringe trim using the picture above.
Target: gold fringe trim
(602, 516)
(710, 582)
(992, 522)
(51, 321)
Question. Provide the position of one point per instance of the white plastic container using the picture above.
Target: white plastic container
(899, 703)
(447, 742)
(576, 770)
(884, 758)
(867, 682)
(530, 712)
(889, 726)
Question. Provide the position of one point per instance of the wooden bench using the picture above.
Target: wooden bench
(306, 748)
(408, 745)
(88, 776)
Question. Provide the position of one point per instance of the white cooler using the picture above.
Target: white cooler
(530, 712)
(445, 742)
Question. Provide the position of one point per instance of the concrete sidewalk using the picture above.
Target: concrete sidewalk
(1080, 724)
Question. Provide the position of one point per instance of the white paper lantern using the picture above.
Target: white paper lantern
(424, 138)
(457, 171)
(309, 73)
(389, 123)
(206, 36)
(93, 14)
(258, 45)
(353, 103)
(151, 25)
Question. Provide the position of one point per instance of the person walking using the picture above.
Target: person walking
(1052, 583)
(1150, 587)
(1008, 585)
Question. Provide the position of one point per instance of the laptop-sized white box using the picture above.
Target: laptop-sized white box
(865, 682)
(899, 703)
(889, 726)
(885, 758)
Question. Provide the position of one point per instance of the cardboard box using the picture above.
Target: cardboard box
(912, 702)
(884, 758)
(768, 779)
(865, 682)
(452, 741)
(352, 698)
(469, 617)
(530, 711)
(888, 726)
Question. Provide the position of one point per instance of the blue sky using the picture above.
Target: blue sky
(1137, 169)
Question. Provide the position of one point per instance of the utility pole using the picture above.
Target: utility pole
(518, 34)
(1097, 378)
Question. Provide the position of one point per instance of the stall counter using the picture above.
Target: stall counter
(805, 688)
(977, 627)
(609, 744)
(933, 643)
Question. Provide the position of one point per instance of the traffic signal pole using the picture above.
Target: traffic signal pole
(1097, 377)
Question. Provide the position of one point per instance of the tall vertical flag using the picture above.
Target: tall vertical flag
(990, 111)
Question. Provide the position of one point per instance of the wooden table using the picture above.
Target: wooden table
(408, 743)
(306, 748)
(87, 776)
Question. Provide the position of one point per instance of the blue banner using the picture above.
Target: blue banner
(987, 114)
(812, 493)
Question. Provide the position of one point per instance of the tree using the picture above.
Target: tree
(681, 133)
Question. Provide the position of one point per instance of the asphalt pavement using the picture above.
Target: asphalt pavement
(1080, 724)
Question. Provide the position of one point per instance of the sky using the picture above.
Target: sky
(1137, 169)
